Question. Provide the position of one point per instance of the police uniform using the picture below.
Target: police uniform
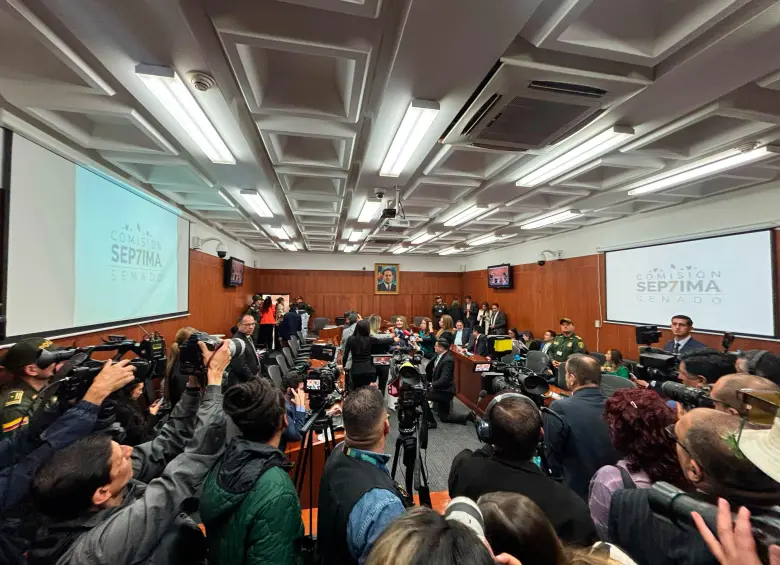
(16, 400)
(563, 346)
(438, 311)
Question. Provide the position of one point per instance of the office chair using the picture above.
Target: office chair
(418, 320)
(537, 361)
(303, 349)
(297, 363)
(600, 357)
(297, 353)
(319, 323)
(611, 383)
(282, 362)
(275, 372)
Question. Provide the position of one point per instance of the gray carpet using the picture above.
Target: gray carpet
(444, 443)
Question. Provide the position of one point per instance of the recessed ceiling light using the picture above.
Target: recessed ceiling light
(290, 246)
(370, 208)
(553, 219)
(280, 233)
(582, 153)
(256, 202)
(356, 236)
(702, 168)
(399, 250)
(466, 215)
(485, 239)
(176, 98)
(349, 248)
(418, 118)
(226, 199)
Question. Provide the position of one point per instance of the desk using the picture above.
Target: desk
(468, 384)
(328, 333)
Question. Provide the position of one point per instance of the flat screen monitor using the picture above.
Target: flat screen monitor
(725, 284)
(500, 276)
(234, 272)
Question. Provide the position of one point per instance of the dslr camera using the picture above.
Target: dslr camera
(191, 360)
(654, 364)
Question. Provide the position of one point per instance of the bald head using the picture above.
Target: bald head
(582, 370)
(725, 390)
(712, 461)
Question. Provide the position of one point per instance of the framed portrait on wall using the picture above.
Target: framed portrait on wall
(386, 278)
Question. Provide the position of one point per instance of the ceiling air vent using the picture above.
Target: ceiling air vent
(567, 88)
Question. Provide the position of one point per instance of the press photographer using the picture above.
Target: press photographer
(712, 463)
(295, 408)
(23, 452)
(101, 497)
(512, 430)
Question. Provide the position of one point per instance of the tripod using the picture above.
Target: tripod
(318, 423)
(416, 474)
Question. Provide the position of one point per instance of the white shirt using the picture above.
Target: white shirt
(682, 343)
(438, 359)
(459, 337)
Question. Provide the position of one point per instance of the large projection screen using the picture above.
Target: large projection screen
(86, 251)
(723, 283)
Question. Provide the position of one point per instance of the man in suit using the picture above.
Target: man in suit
(441, 376)
(462, 336)
(387, 284)
(477, 342)
(576, 434)
(246, 366)
(682, 326)
(469, 312)
(290, 325)
(497, 321)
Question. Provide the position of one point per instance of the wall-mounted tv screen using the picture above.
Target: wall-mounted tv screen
(500, 276)
(234, 272)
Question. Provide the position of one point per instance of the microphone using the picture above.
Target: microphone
(406, 333)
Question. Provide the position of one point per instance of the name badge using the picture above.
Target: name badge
(559, 353)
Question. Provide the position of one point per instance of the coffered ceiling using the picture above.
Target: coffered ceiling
(308, 96)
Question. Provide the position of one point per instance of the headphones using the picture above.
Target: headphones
(754, 359)
(484, 432)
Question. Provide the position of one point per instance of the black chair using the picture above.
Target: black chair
(275, 372)
(600, 357)
(319, 323)
(296, 363)
(537, 361)
(298, 351)
(611, 383)
(418, 320)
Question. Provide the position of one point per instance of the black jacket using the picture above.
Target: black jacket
(578, 440)
(456, 314)
(470, 314)
(246, 366)
(291, 324)
(498, 324)
(651, 540)
(480, 347)
(442, 377)
(476, 473)
(360, 351)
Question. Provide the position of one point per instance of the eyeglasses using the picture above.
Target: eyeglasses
(248, 323)
(670, 433)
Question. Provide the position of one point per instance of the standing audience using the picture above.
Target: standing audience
(267, 323)
(470, 310)
(244, 366)
(357, 354)
(637, 419)
(455, 312)
(249, 504)
(574, 431)
(483, 317)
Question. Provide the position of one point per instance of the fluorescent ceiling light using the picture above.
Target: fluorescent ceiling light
(422, 238)
(290, 246)
(702, 168)
(356, 236)
(256, 202)
(370, 208)
(418, 118)
(554, 219)
(280, 233)
(226, 199)
(584, 152)
(254, 225)
(173, 94)
(466, 215)
(349, 248)
(399, 250)
(485, 239)
(449, 251)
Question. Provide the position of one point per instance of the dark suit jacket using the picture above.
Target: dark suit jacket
(690, 345)
(456, 314)
(381, 287)
(443, 376)
(246, 366)
(291, 323)
(579, 441)
(476, 473)
(498, 324)
(470, 317)
(480, 348)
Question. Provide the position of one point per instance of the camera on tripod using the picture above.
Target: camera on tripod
(654, 364)
(514, 377)
(191, 360)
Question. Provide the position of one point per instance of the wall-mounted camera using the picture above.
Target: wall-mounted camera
(379, 192)
(198, 243)
(221, 250)
(542, 260)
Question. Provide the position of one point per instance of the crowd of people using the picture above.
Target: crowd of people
(200, 474)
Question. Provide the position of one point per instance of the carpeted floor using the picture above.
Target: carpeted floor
(444, 443)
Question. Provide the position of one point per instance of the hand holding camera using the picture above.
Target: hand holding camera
(113, 377)
(216, 362)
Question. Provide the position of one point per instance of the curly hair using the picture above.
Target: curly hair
(637, 418)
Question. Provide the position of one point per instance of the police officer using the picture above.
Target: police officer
(439, 309)
(565, 344)
(16, 400)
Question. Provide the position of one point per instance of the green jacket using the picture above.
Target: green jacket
(250, 508)
(562, 347)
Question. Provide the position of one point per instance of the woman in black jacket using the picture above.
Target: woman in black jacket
(359, 347)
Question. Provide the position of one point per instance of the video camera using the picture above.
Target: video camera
(191, 357)
(515, 377)
(654, 364)
(320, 383)
(676, 505)
(688, 396)
(75, 377)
